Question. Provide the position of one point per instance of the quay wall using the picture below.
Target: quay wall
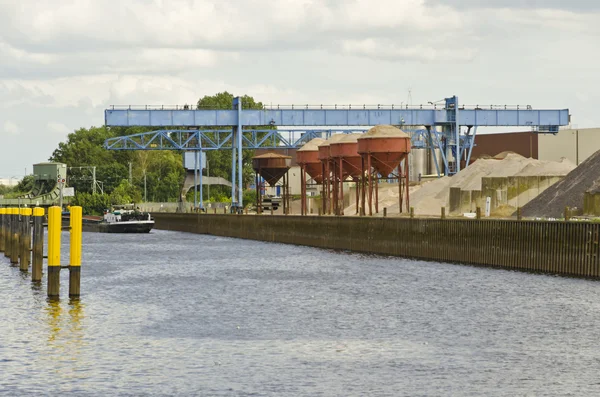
(565, 248)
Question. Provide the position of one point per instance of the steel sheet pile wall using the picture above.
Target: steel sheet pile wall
(567, 248)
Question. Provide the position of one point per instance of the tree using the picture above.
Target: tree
(84, 148)
(224, 100)
(92, 204)
(25, 185)
(166, 173)
(5, 189)
(220, 160)
(125, 193)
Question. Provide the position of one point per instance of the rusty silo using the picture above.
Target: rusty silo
(308, 160)
(327, 168)
(347, 163)
(383, 148)
(272, 167)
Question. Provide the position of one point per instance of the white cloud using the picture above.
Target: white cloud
(13, 54)
(80, 25)
(59, 128)
(11, 128)
(391, 50)
(65, 61)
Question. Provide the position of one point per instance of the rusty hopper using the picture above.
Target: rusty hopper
(271, 166)
(387, 145)
(383, 148)
(347, 162)
(308, 157)
(324, 152)
(327, 167)
(308, 160)
(346, 151)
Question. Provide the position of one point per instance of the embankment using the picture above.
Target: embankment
(565, 248)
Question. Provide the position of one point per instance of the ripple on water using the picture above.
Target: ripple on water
(174, 313)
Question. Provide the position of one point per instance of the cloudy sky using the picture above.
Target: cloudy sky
(62, 62)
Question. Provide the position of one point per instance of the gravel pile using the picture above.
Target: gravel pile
(567, 192)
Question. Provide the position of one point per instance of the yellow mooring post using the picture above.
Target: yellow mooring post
(14, 231)
(54, 231)
(7, 232)
(25, 239)
(38, 244)
(75, 267)
(2, 228)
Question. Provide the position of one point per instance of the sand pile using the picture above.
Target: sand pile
(503, 155)
(388, 198)
(567, 192)
(333, 139)
(428, 198)
(548, 168)
(385, 131)
(312, 145)
(470, 178)
(431, 196)
(349, 138)
(435, 194)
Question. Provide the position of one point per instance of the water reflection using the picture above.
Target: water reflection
(54, 311)
(65, 326)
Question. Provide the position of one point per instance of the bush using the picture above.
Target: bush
(249, 197)
(125, 193)
(92, 204)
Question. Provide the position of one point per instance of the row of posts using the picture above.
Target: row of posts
(17, 225)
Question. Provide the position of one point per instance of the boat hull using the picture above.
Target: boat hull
(97, 224)
(119, 227)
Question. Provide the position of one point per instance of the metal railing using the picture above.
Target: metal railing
(401, 106)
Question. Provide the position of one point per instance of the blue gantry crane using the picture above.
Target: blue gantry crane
(448, 127)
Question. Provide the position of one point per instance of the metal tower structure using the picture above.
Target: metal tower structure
(198, 129)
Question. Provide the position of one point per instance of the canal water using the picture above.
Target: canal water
(183, 314)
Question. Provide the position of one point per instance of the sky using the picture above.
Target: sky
(63, 62)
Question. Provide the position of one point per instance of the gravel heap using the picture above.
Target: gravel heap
(567, 192)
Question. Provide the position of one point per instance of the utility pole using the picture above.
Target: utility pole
(195, 181)
(94, 180)
(208, 179)
(145, 198)
(130, 176)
